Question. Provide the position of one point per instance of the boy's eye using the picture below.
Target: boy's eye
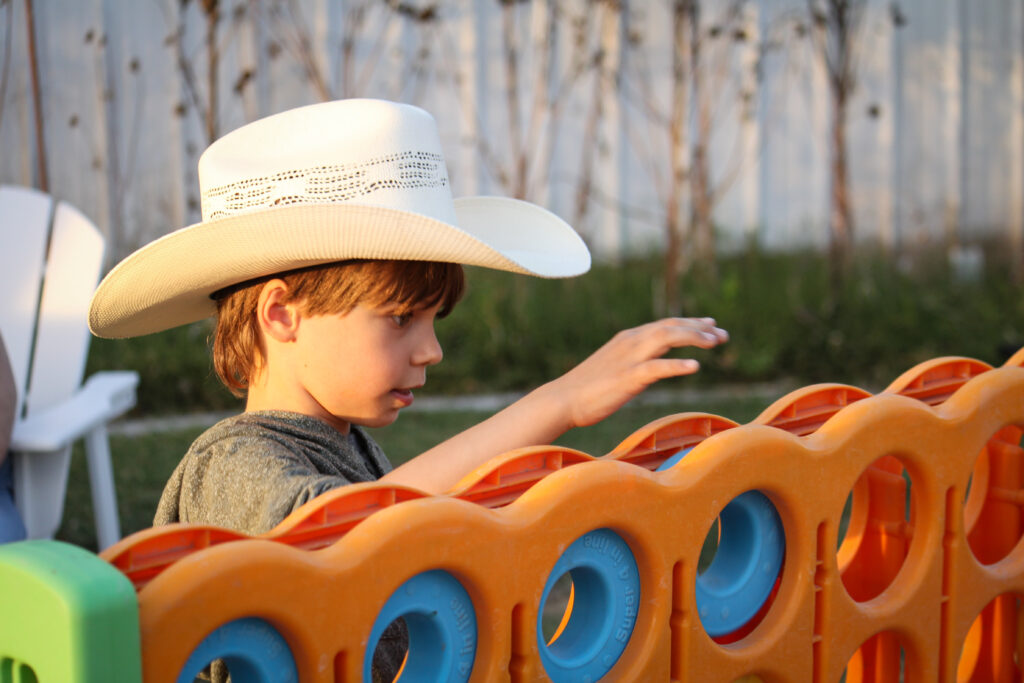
(401, 319)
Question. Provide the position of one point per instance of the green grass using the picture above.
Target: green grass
(512, 333)
(143, 464)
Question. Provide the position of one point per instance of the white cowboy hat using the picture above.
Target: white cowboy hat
(323, 183)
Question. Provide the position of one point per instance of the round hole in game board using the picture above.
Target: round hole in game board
(740, 566)
(605, 600)
(991, 644)
(844, 520)
(994, 501)
(390, 655)
(441, 623)
(881, 657)
(879, 528)
(11, 670)
(710, 547)
(557, 608)
(251, 649)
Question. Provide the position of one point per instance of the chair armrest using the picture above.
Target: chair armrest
(103, 397)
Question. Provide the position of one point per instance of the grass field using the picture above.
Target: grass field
(785, 320)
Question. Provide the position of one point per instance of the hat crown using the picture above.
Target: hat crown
(361, 151)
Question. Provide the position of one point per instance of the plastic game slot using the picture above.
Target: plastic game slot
(803, 411)
(336, 513)
(142, 556)
(934, 381)
(501, 480)
(651, 445)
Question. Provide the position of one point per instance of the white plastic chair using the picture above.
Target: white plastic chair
(50, 262)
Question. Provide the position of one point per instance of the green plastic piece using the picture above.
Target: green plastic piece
(66, 616)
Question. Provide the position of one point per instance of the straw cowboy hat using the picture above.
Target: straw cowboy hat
(323, 183)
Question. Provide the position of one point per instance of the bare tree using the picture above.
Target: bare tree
(835, 30)
(702, 80)
(294, 36)
(535, 105)
(203, 101)
(5, 65)
(679, 160)
(603, 87)
(363, 22)
(37, 102)
(713, 84)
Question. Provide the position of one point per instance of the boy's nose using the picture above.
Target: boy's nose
(428, 352)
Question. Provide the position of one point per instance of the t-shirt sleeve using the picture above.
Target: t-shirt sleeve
(246, 483)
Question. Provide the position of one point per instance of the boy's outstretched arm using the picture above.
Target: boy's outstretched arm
(625, 366)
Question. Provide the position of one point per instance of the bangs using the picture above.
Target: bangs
(414, 285)
(404, 285)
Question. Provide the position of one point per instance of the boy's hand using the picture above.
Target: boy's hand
(588, 393)
(629, 363)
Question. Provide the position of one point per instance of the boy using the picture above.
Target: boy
(329, 245)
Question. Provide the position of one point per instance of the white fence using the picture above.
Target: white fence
(565, 102)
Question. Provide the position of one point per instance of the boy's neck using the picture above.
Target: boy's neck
(260, 399)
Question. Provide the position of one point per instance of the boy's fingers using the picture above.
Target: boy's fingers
(663, 368)
(703, 324)
(710, 332)
(688, 332)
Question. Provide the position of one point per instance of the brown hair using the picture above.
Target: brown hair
(333, 288)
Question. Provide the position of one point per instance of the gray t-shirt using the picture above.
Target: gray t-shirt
(250, 471)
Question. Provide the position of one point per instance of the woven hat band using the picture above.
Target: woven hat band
(384, 181)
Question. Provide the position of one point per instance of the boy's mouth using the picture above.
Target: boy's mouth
(403, 395)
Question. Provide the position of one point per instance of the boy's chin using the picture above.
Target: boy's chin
(377, 421)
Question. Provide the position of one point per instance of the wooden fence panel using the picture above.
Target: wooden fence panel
(936, 125)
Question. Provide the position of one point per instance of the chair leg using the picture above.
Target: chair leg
(40, 481)
(101, 481)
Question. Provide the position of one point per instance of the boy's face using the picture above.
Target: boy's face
(362, 367)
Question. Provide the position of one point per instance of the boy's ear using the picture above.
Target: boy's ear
(277, 319)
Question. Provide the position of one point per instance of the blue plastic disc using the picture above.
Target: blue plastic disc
(751, 548)
(673, 459)
(606, 588)
(252, 649)
(442, 628)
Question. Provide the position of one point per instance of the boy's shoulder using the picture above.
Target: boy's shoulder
(269, 425)
(287, 435)
(247, 464)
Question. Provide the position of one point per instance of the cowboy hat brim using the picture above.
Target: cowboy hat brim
(169, 282)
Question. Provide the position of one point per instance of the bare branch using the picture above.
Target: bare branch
(5, 67)
(362, 82)
(33, 60)
(210, 9)
(511, 61)
(299, 41)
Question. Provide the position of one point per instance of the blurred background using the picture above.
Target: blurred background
(839, 182)
(703, 125)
